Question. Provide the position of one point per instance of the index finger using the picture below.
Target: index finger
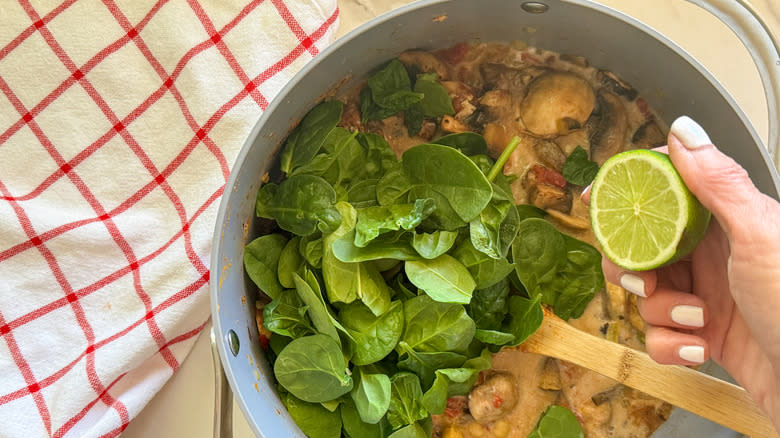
(639, 283)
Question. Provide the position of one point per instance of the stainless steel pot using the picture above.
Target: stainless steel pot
(606, 37)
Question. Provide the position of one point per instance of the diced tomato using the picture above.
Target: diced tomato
(264, 341)
(454, 54)
(549, 176)
(497, 401)
(456, 406)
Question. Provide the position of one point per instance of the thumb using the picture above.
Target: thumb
(719, 182)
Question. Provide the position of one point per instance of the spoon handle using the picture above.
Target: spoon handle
(699, 393)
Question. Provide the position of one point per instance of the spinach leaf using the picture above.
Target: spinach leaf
(526, 211)
(455, 381)
(362, 193)
(286, 316)
(342, 158)
(371, 396)
(399, 249)
(307, 138)
(444, 279)
(370, 110)
(373, 337)
(432, 245)
(393, 187)
(300, 204)
(346, 282)
(290, 261)
(313, 419)
(413, 119)
(564, 271)
(373, 221)
(436, 101)
(578, 169)
(313, 369)
(485, 270)
(489, 306)
(433, 326)
(494, 230)
(317, 309)
(494, 337)
(405, 400)
(261, 258)
(311, 248)
(354, 427)
(402, 287)
(411, 431)
(425, 364)
(525, 317)
(469, 143)
(391, 88)
(379, 155)
(440, 170)
(557, 422)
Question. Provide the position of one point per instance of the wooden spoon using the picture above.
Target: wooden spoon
(699, 393)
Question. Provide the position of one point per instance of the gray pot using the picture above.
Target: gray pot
(607, 38)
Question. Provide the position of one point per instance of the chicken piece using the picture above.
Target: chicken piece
(464, 99)
(425, 62)
(550, 198)
(609, 136)
(451, 124)
(578, 386)
(494, 398)
(556, 103)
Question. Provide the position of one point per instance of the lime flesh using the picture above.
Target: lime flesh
(642, 213)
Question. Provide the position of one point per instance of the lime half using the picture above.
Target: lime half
(642, 213)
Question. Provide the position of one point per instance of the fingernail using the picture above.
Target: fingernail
(690, 133)
(691, 316)
(691, 353)
(633, 284)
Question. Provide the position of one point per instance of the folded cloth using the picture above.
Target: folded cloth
(119, 122)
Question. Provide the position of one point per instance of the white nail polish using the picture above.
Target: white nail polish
(692, 353)
(633, 284)
(691, 316)
(690, 133)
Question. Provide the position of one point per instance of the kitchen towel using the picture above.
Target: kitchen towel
(119, 122)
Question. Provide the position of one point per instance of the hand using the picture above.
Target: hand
(723, 301)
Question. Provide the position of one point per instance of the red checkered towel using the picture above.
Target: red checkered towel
(119, 122)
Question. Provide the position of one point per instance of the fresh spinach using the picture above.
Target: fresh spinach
(468, 143)
(489, 306)
(311, 248)
(526, 211)
(485, 270)
(449, 177)
(578, 169)
(362, 193)
(411, 431)
(557, 422)
(300, 204)
(393, 187)
(496, 227)
(413, 119)
(405, 400)
(453, 330)
(286, 316)
(432, 245)
(525, 317)
(379, 156)
(313, 369)
(436, 101)
(317, 309)
(396, 249)
(391, 88)
(355, 427)
(444, 279)
(454, 381)
(261, 259)
(425, 364)
(342, 158)
(373, 221)
(313, 419)
(494, 337)
(290, 261)
(371, 395)
(307, 138)
(370, 110)
(372, 337)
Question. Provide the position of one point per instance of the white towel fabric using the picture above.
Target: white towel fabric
(119, 122)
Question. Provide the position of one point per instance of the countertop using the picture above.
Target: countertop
(184, 407)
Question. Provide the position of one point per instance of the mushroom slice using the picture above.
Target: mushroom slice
(649, 135)
(557, 101)
(451, 124)
(566, 220)
(618, 86)
(550, 379)
(550, 198)
(494, 398)
(425, 62)
(549, 154)
(504, 77)
(609, 135)
(607, 395)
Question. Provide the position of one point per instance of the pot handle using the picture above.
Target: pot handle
(742, 18)
(223, 396)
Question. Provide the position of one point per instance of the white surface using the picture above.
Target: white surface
(184, 407)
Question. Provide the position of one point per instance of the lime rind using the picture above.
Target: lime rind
(669, 222)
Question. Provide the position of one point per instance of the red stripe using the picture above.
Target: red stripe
(30, 30)
(295, 27)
